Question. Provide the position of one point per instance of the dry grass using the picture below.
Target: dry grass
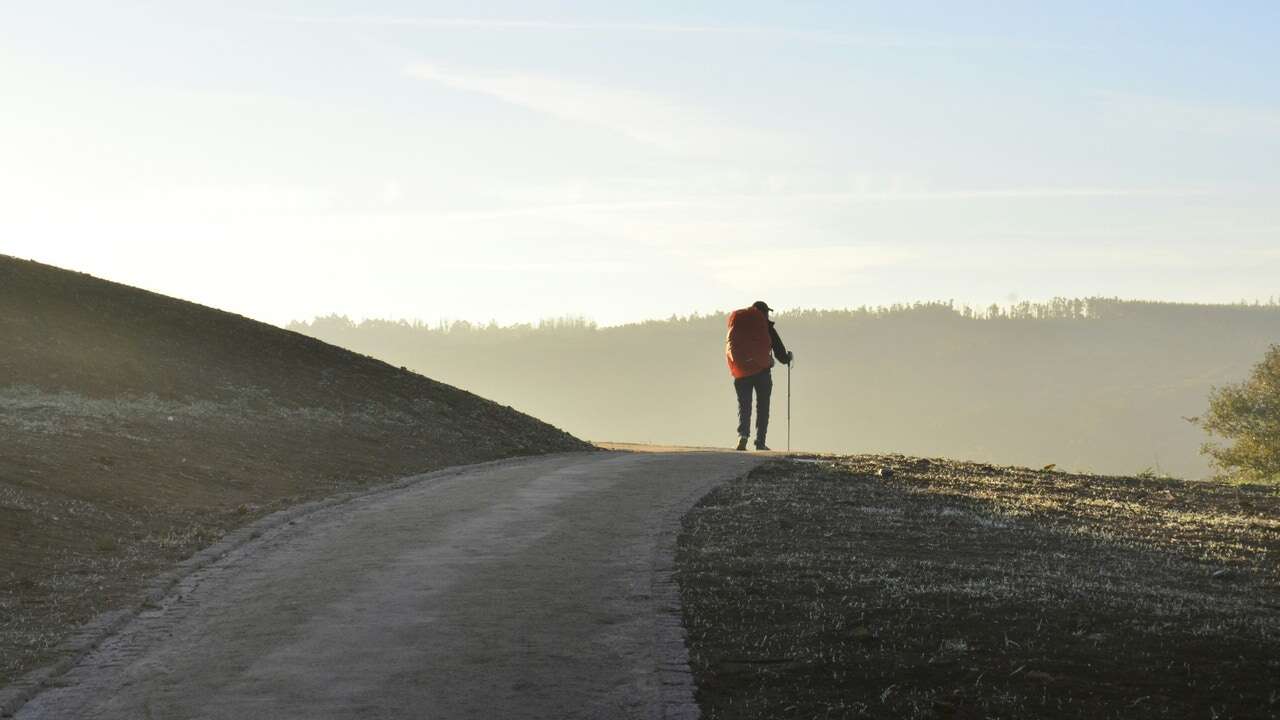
(944, 589)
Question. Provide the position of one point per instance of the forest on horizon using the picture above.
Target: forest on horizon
(1092, 384)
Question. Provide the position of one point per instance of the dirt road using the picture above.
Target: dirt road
(534, 588)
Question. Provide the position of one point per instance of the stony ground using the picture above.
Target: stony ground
(891, 587)
(135, 429)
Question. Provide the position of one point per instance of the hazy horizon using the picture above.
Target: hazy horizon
(980, 311)
(534, 160)
(1088, 384)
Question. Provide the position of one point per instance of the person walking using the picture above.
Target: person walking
(750, 348)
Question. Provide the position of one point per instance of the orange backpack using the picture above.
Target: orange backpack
(748, 346)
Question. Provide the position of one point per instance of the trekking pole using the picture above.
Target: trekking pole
(789, 364)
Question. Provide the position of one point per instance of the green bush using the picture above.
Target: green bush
(1248, 414)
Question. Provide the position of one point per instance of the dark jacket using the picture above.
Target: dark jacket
(779, 350)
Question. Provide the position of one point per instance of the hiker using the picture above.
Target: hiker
(747, 347)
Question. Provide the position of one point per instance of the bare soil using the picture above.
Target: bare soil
(893, 587)
(136, 429)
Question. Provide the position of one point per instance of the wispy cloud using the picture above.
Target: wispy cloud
(800, 267)
(467, 23)
(643, 117)
(570, 210)
(252, 198)
(734, 202)
(559, 267)
(1191, 116)
(1049, 193)
(873, 40)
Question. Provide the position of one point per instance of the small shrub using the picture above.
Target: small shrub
(1248, 413)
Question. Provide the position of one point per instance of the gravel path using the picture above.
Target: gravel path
(528, 589)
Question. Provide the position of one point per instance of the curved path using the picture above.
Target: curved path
(518, 589)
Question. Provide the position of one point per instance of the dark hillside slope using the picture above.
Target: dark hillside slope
(135, 428)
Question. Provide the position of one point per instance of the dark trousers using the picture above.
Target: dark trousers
(762, 383)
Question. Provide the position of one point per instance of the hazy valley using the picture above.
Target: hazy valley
(1093, 385)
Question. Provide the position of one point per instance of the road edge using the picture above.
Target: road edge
(676, 686)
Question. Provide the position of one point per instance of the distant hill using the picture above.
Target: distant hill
(135, 428)
(1092, 384)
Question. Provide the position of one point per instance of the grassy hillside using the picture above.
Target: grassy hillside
(1096, 385)
(895, 587)
(135, 428)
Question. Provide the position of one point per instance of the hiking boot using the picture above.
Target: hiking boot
(742, 443)
(761, 447)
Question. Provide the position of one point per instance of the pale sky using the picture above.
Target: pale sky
(522, 160)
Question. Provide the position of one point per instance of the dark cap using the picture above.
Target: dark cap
(761, 306)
